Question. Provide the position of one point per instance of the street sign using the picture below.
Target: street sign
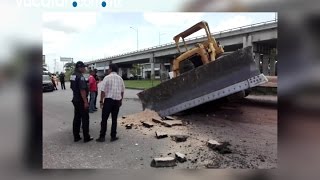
(66, 59)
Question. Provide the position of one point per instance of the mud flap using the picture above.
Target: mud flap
(225, 76)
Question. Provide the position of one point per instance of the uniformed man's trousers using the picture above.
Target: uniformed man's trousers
(109, 106)
(81, 115)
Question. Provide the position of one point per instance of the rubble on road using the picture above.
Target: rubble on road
(222, 148)
(180, 157)
(172, 123)
(212, 166)
(157, 120)
(160, 135)
(169, 118)
(163, 162)
(213, 144)
(128, 126)
(147, 124)
(179, 138)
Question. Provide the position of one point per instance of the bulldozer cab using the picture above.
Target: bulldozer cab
(203, 53)
(195, 28)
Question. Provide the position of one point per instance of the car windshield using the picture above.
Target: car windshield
(46, 78)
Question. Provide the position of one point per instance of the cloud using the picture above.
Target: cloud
(175, 19)
(233, 22)
(69, 22)
(59, 29)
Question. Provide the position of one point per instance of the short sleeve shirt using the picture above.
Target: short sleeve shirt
(78, 82)
(113, 86)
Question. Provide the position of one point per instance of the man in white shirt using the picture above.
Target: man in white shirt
(112, 91)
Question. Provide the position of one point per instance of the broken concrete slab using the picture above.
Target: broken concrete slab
(169, 118)
(160, 134)
(179, 138)
(163, 162)
(213, 144)
(180, 157)
(222, 148)
(172, 123)
(147, 124)
(128, 126)
(157, 120)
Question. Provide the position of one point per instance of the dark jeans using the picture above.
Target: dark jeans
(81, 115)
(91, 102)
(62, 85)
(95, 100)
(109, 106)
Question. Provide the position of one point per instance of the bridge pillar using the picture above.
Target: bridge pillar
(256, 55)
(128, 73)
(244, 43)
(152, 67)
(265, 64)
(247, 41)
(120, 72)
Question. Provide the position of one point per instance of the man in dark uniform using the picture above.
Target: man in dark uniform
(62, 82)
(80, 102)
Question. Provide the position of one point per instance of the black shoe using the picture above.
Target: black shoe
(95, 107)
(101, 139)
(88, 139)
(77, 139)
(114, 139)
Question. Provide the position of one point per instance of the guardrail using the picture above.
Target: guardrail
(189, 39)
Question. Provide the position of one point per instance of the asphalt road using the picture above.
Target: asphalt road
(251, 128)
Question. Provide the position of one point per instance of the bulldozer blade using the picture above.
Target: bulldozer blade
(225, 76)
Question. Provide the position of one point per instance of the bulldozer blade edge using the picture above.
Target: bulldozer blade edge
(227, 75)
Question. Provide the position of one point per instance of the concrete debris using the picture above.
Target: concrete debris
(147, 124)
(169, 118)
(160, 135)
(213, 144)
(157, 120)
(222, 148)
(163, 162)
(179, 138)
(172, 123)
(212, 166)
(181, 157)
(129, 126)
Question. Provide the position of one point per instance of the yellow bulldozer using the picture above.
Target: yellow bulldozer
(203, 53)
(202, 74)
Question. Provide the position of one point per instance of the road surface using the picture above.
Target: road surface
(249, 126)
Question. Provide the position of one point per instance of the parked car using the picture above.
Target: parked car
(47, 83)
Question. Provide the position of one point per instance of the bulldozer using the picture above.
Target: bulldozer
(202, 74)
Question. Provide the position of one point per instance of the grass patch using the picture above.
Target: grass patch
(141, 84)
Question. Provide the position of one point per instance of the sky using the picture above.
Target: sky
(88, 36)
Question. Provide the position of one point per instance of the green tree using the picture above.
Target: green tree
(135, 70)
(69, 68)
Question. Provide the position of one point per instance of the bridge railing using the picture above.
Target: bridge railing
(193, 38)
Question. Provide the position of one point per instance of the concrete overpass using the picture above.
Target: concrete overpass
(262, 36)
